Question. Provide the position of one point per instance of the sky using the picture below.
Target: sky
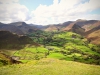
(44, 12)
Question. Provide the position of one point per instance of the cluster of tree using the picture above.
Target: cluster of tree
(47, 38)
(84, 57)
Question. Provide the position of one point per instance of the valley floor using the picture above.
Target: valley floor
(49, 66)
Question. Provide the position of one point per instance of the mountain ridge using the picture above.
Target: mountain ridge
(20, 28)
(80, 26)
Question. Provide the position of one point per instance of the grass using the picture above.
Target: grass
(56, 55)
(35, 49)
(50, 66)
(30, 53)
(82, 48)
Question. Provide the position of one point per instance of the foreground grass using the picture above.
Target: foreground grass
(50, 66)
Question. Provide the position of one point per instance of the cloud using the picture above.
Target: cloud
(12, 11)
(64, 10)
(55, 2)
(60, 11)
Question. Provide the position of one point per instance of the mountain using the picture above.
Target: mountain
(20, 28)
(52, 28)
(88, 24)
(36, 26)
(11, 28)
(85, 25)
(77, 29)
(25, 28)
(94, 35)
(86, 28)
(56, 27)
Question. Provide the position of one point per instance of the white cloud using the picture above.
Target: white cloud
(64, 10)
(12, 11)
(58, 12)
(55, 2)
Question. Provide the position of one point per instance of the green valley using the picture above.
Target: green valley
(48, 53)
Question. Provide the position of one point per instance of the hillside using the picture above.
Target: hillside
(94, 37)
(50, 67)
(77, 29)
(68, 46)
(88, 24)
(59, 45)
(48, 53)
(9, 40)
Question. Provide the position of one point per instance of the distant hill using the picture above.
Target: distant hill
(66, 26)
(80, 26)
(85, 28)
(25, 28)
(11, 28)
(19, 28)
(56, 27)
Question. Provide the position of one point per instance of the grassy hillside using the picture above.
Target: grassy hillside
(50, 67)
(50, 53)
(4, 60)
(68, 46)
